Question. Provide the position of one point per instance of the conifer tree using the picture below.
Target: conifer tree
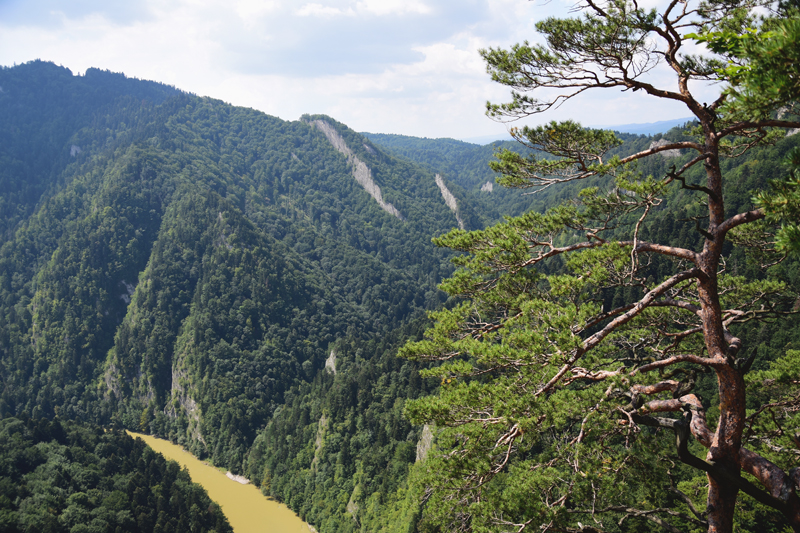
(570, 364)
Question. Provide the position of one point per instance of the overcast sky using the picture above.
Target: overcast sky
(384, 66)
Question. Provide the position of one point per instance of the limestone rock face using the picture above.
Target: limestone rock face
(449, 199)
(361, 171)
(425, 442)
(322, 430)
(330, 363)
(666, 153)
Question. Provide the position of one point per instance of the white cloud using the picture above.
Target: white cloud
(392, 7)
(248, 10)
(369, 7)
(387, 66)
(446, 59)
(318, 10)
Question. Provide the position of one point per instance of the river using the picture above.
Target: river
(247, 510)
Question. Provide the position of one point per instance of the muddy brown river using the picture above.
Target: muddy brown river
(247, 510)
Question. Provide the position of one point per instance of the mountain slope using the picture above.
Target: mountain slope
(192, 262)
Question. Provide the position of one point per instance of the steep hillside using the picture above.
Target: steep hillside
(176, 265)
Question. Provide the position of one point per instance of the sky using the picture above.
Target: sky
(410, 67)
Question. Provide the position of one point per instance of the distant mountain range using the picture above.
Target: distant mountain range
(647, 128)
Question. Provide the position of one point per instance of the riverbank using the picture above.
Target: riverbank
(247, 510)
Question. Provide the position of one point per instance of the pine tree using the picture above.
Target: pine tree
(560, 407)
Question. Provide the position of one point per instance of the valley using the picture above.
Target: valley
(241, 286)
(247, 510)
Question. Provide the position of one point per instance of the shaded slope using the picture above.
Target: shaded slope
(195, 262)
(43, 107)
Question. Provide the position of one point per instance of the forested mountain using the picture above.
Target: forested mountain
(466, 165)
(175, 264)
(241, 284)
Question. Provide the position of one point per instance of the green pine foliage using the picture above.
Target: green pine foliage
(575, 325)
(773, 379)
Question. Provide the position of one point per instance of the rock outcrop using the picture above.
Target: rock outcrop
(666, 153)
(330, 363)
(449, 199)
(361, 171)
(425, 442)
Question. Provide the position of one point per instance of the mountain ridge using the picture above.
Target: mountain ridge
(179, 266)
